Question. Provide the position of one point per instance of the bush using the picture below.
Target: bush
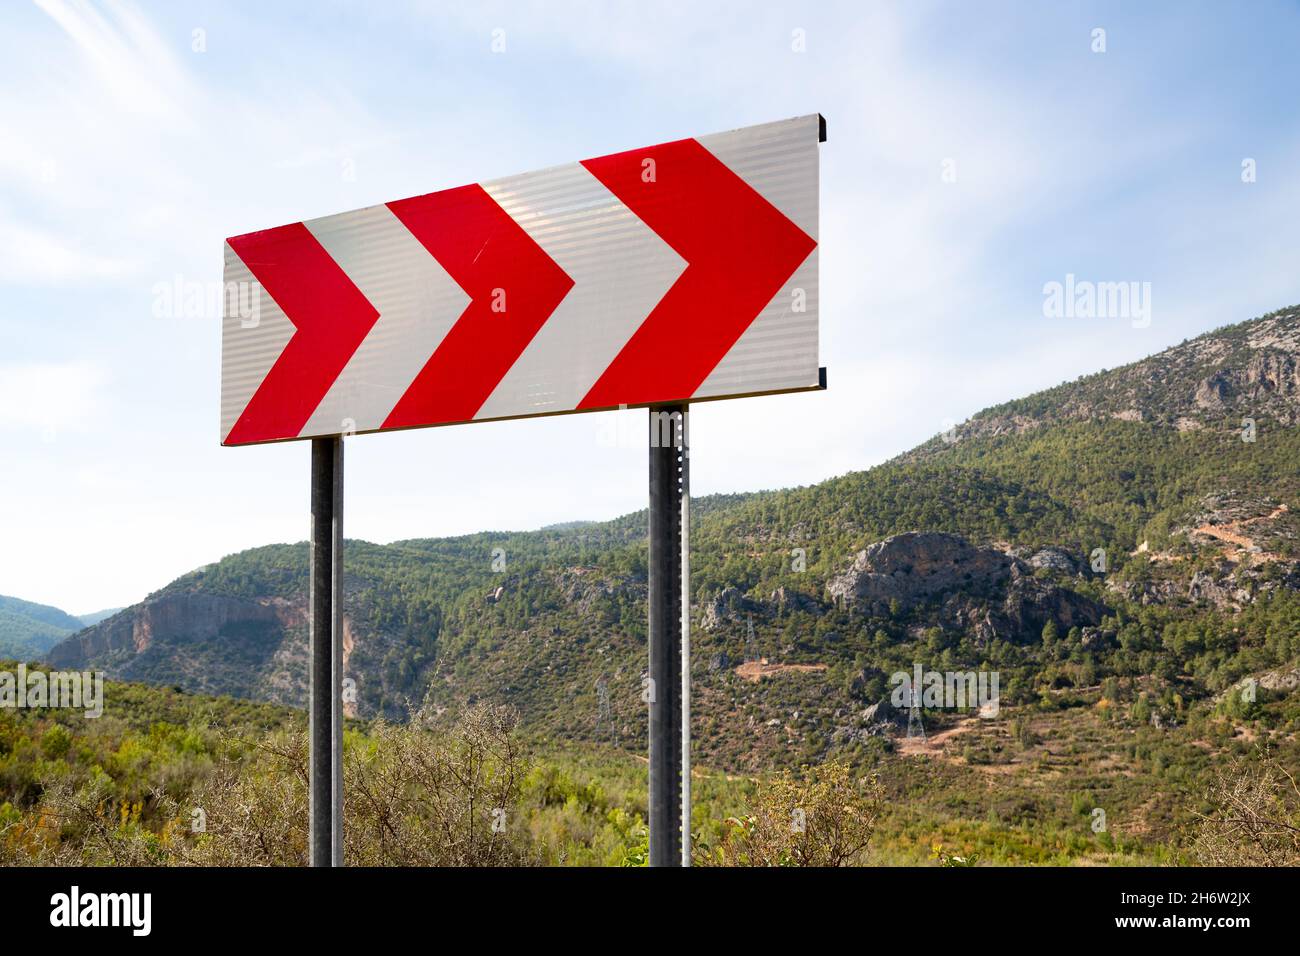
(823, 818)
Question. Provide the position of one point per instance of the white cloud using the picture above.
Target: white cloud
(123, 56)
(117, 145)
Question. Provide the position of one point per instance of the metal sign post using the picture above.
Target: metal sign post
(685, 588)
(669, 666)
(325, 684)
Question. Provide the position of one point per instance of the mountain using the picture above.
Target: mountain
(1248, 370)
(94, 617)
(28, 629)
(1139, 525)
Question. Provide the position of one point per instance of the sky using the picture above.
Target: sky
(976, 152)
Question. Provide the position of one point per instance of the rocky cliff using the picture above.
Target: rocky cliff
(189, 617)
(982, 590)
(915, 566)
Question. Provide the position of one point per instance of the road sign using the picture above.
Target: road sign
(656, 277)
(674, 273)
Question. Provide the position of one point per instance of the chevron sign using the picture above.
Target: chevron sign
(679, 272)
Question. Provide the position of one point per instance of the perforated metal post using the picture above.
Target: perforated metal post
(685, 588)
(669, 653)
(325, 682)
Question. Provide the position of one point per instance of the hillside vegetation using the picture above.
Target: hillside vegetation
(1124, 551)
(28, 629)
(169, 778)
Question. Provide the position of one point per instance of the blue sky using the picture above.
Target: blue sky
(127, 156)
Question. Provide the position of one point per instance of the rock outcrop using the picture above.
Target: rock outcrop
(588, 588)
(175, 616)
(916, 566)
(1030, 603)
(881, 719)
(1054, 559)
(731, 604)
(788, 599)
(981, 591)
(1213, 392)
(216, 643)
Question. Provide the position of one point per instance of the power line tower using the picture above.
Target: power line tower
(915, 726)
(604, 715)
(751, 644)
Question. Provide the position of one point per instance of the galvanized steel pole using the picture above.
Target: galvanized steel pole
(325, 683)
(667, 472)
(685, 589)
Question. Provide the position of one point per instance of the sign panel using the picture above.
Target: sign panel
(679, 272)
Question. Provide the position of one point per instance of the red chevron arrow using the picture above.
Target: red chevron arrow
(739, 249)
(330, 317)
(513, 285)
